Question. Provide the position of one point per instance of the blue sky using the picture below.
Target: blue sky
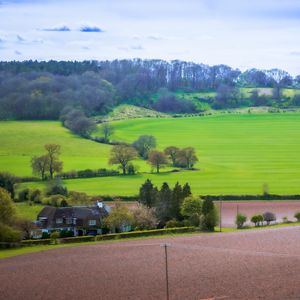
(243, 34)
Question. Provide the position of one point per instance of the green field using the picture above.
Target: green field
(19, 141)
(237, 153)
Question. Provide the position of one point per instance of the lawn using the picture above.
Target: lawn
(237, 153)
(20, 141)
(29, 212)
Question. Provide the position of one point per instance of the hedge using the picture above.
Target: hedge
(112, 236)
(145, 233)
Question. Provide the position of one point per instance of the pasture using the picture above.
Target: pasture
(21, 140)
(238, 153)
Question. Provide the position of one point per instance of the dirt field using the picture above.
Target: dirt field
(262, 264)
(249, 208)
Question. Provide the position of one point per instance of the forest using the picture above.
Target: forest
(32, 90)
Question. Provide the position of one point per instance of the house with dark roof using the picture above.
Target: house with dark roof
(81, 220)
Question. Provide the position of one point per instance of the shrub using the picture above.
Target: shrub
(45, 235)
(54, 236)
(269, 217)
(172, 224)
(285, 220)
(66, 233)
(56, 188)
(78, 239)
(297, 216)
(23, 195)
(9, 234)
(240, 220)
(36, 196)
(209, 217)
(257, 219)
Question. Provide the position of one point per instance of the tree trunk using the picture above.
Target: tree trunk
(157, 168)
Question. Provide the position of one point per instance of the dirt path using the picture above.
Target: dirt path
(263, 264)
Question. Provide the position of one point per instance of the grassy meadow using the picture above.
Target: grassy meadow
(238, 153)
(21, 140)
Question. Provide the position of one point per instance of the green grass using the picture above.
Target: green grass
(22, 140)
(29, 212)
(237, 153)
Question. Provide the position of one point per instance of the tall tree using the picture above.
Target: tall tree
(122, 155)
(172, 153)
(40, 165)
(157, 159)
(186, 191)
(107, 130)
(144, 144)
(53, 152)
(177, 199)
(187, 157)
(164, 204)
(7, 181)
(148, 194)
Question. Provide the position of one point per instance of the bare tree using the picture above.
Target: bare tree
(122, 155)
(107, 131)
(157, 159)
(187, 157)
(40, 165)
(53, 151)
(172, 152)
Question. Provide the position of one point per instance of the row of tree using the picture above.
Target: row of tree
(43, 90)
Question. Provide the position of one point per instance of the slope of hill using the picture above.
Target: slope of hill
(21, 140)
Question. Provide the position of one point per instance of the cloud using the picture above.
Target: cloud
(18, 52)
(88, 28)
(20, 39)
(57, 28)
(295, 53)
(155, 37)
(137, 47)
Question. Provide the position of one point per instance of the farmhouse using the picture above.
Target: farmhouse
(81, 220)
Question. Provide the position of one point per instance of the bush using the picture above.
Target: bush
(56, 201)
(54, 236)
(9, 234)
(172, 224)
(66, 233)
(269, 217)
(240, 220)
(36, 242)
(36, 196)
(23, 195)
(45, 235)
(257, 219)
(77, 239)
(209, 217)
(297, 216)
(56, 188)
(285, 220)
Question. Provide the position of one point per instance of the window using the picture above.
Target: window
(59, 221)
(92, 222)
(69, 221)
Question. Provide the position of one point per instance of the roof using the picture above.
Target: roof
(78, 212)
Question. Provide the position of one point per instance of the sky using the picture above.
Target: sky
(244, 34)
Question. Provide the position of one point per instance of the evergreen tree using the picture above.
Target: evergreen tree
(148, 194)
(186, 191)
(177, 199)
(209, 216)
(164, 204)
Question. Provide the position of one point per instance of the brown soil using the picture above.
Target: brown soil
(262, 264)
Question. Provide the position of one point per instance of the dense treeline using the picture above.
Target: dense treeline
(42, 90)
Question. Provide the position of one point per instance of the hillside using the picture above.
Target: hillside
(21, 140)
(238, 153)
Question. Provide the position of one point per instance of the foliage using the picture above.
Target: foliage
(257, 219)
(269, 217)
(8, 234)
(187, 157)
(122, 155)
(144, 144)
(172, 153)
(7, 182)
(26, 227)
(240, 220)
(191, 206)
(24, 195)
(118, 217)
(78, 123)
(297, 216)
(157, 159)
(144, 218)
(40, 165)
(54, 237)
(53, 152)
(147, 194)
(209, 217)
(107, 131)
(56, 187)
(7, 208)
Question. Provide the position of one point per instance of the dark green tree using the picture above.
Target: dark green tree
(209, 216)
(177, 199)
(186, 191)
(7, 182)
(164, 204)
(148, 194)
